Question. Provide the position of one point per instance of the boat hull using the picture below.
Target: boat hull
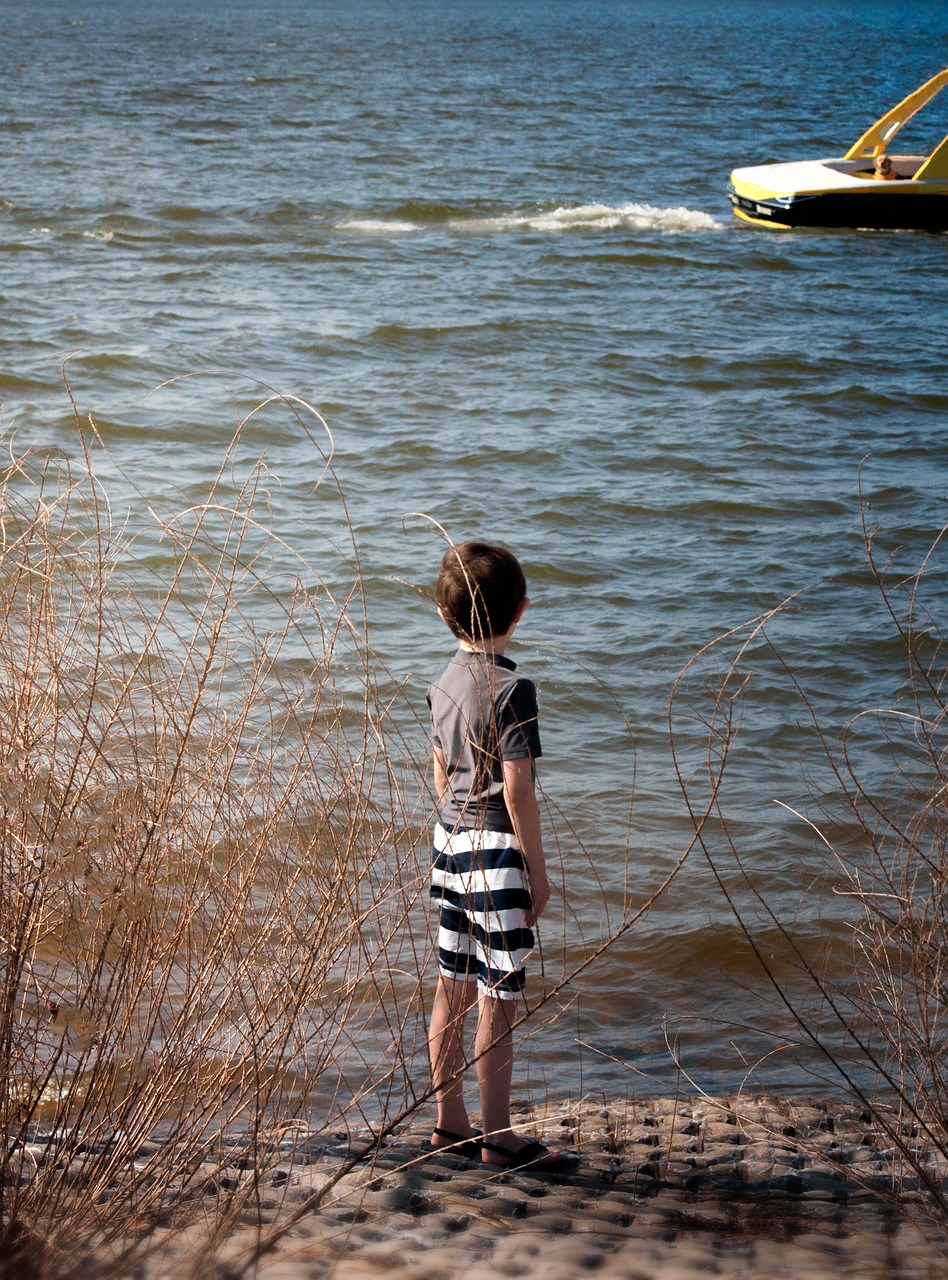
(869, 210)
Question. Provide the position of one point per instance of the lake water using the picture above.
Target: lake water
(490, 243)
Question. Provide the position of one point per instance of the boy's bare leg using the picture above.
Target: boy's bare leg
(493, 1046)
(453, 1000)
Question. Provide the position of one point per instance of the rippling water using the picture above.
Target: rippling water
(490, 243)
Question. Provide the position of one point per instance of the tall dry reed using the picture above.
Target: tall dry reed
(202, 848)
(212, 866)
(872, 997)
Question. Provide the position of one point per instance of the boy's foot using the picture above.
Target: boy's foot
(533, 1155)
(458, 1144)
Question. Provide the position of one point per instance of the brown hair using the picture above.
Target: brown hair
(480, 588)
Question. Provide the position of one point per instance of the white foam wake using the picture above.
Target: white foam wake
(378, 226)
(583, 217)
(602, 217)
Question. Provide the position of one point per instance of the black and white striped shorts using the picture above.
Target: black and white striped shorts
(479, 880)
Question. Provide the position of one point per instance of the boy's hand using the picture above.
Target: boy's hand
(539, 897)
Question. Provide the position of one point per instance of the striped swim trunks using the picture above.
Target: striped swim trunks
(479, 880)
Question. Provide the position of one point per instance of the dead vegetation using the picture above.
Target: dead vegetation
(213, 863)
(861, 969)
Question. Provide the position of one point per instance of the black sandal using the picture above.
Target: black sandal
(456, 1145)
(531, 1154)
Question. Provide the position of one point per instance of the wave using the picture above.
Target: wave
(73, 233)
(583, 217)
(603, 217)
(378, 226)
(15, 382)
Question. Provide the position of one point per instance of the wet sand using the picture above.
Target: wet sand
(660, 1190)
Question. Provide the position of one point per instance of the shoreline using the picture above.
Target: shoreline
(664, 1189)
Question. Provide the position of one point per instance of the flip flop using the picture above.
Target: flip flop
(457, 1145)
(534, 1153)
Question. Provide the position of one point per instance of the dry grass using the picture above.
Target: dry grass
(201, 857)
(873, 1001)
(211, 851)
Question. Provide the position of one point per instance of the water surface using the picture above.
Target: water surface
(490, 243)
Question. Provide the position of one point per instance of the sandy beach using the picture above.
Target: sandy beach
(668, 1189)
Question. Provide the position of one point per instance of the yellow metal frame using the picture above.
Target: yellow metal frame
(936, 166)
(877, 138)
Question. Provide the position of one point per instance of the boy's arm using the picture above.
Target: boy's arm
(440, 775)
(521, 800)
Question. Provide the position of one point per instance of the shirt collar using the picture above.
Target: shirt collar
(469, 658)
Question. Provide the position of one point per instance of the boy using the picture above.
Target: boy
(488, 870)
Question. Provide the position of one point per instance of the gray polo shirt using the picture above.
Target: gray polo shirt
(482, 714)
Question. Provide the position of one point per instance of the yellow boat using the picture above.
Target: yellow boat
(867, 188)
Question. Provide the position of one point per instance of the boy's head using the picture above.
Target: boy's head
(481, 590)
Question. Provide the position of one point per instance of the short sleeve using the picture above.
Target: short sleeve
(518, 725)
